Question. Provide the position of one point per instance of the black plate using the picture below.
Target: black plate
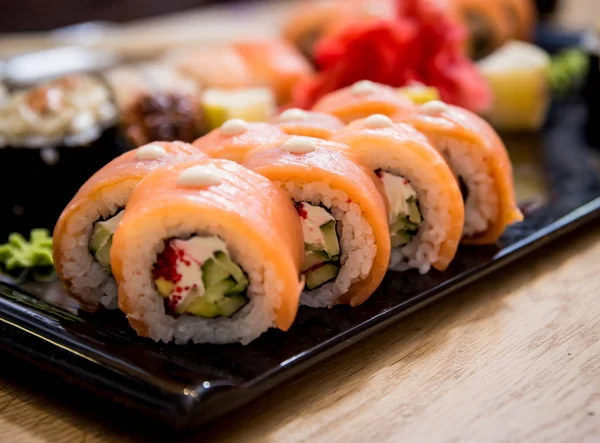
(558, 187)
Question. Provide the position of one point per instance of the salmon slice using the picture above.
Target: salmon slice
(295, 121)
(460, 135)
(328, 164)
(120, 175)
(276, 64)
(399, 149)
(247, 209)
(235, 138)
(363, 99)
(218, 67)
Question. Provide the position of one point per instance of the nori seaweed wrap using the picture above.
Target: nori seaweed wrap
(53, 137)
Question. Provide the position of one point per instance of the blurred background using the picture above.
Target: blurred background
(175, 70)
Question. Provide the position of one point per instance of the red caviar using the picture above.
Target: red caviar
(166, 264)
(301, 211)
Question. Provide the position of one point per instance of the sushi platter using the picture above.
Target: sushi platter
(197, 239)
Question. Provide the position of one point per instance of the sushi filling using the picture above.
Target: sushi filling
(196, 276)
(321, 245)
(101, 240)
(404, 216)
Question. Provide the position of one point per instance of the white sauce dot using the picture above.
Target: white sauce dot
(293, 114)
(434, 107)
(199, 176)
(50, 156)
(377, 121)
(298, 145)
(363, 87)
(150, 152)
(235, 126)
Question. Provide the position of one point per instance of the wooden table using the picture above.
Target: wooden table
(513, 358)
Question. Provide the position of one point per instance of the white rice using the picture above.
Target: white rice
(357, 240)
(423, 249)
(468, 162)
(145, 305)
(89, 281)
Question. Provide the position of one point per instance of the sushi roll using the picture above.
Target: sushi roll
(156, 103)
(343, 217)
(307, 23)
(236, 137)
(55, 135)
(426, 210)
(296, 121)
(276, 64)
(480, 162)
(208, 252)
(250, 104)
(521, 16)
(212, 67)
(362, 99)
(83, 234)
(486, 22)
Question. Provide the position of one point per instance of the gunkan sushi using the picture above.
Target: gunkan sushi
(53, 137)
(156, 103)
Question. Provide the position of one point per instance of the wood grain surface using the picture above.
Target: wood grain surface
(512, 358)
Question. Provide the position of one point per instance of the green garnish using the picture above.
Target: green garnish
(567, 68)
(19, 255)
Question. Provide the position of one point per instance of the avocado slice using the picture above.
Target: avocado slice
(225, 262)
(321, 275)
(330, 238)
(231, 304)
(402, 223)
(203, 308)
(400, 238)
(414, 215)
(213, 273)
(164, 287)
(314, 258)
(101, 239)
(215, 293)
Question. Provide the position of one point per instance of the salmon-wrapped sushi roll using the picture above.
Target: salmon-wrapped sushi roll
(343, 217)
(208, 252)
(479, 160)
(296, 121)
(363, 99)
(275, 63)
(236, 137)
(83, 234)
(426, 210)
(487, 23)
(521, 16)
(312, 20)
